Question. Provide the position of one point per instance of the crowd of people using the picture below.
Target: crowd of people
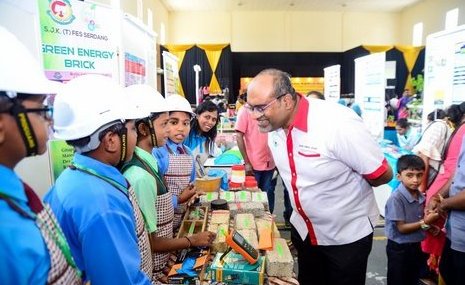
(111, 216)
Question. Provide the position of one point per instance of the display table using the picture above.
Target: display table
(222, 221)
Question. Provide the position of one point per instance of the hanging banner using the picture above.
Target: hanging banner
(139, 50)
(370, 83)
(444, 70)
(171, 74)
(134, 69)
(333, 83)
(77, 38)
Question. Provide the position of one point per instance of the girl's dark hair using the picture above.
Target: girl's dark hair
(455, 113)
(206, 106)
(438, 114)
(410, 161)
(153, 116)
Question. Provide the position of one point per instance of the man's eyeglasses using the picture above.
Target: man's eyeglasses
(262, 108)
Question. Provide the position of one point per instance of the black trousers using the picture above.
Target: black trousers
(452, 265)
(332, 264)
(405, 262)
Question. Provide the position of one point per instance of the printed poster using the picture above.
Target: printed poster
(77, 38)
(61, 155)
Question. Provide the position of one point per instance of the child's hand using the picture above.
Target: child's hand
(202, 239)
(187, 193)
(434, 230)
(193, 198)
(431, 217)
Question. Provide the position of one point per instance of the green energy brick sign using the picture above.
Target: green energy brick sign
(77, 38)
(61, 156)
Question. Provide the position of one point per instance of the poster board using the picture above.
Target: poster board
(77, 38)
(370, 80)
(138, 53)
(444, 70)
(171, 74)
(332, 83)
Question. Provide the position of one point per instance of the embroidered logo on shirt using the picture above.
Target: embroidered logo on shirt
(308, 151)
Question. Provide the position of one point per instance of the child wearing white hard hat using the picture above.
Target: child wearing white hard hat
(93, 201)
(33, 249)
(175, 159)
(142, 172)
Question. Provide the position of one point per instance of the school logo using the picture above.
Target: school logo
(60, 11)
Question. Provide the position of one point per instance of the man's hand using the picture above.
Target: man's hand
(433, 204)
(248, 168)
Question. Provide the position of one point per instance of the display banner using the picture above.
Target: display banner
(139, 50)
(171, 74)
(444, 70)
(134, 69)
(333, 83)
(77, 38)
(370, 83)
(61, 155)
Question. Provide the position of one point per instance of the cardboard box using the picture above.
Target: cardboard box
(236, 270)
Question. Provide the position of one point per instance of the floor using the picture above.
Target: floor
(377, 262)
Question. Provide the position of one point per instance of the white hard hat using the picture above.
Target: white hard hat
(147, 97)
(179, 103)
(89, 102)
(20, 72)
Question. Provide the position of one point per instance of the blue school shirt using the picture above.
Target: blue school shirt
(98, 222)
(23, 253)
(162, 156)
(402, 206)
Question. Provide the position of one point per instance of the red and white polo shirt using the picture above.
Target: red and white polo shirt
(329, 154)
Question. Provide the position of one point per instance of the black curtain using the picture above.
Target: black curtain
(196, 55)
(348, 68)
(297, 64)
(224, 71)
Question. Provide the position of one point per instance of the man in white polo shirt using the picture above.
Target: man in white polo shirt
(328, 161)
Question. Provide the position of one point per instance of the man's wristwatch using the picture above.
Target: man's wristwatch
(423, 225)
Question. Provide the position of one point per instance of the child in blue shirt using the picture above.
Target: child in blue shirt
(405, 223)
(175, 160)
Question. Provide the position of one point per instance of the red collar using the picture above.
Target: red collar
(300, 119)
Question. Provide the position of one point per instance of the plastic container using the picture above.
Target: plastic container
(250, 178)
(235, 186)
(251, 184)
(238, 173)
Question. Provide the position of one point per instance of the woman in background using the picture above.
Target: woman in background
(433, 244)
(201, 139)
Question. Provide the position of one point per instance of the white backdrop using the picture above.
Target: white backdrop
(370, 81)
(444, 70)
